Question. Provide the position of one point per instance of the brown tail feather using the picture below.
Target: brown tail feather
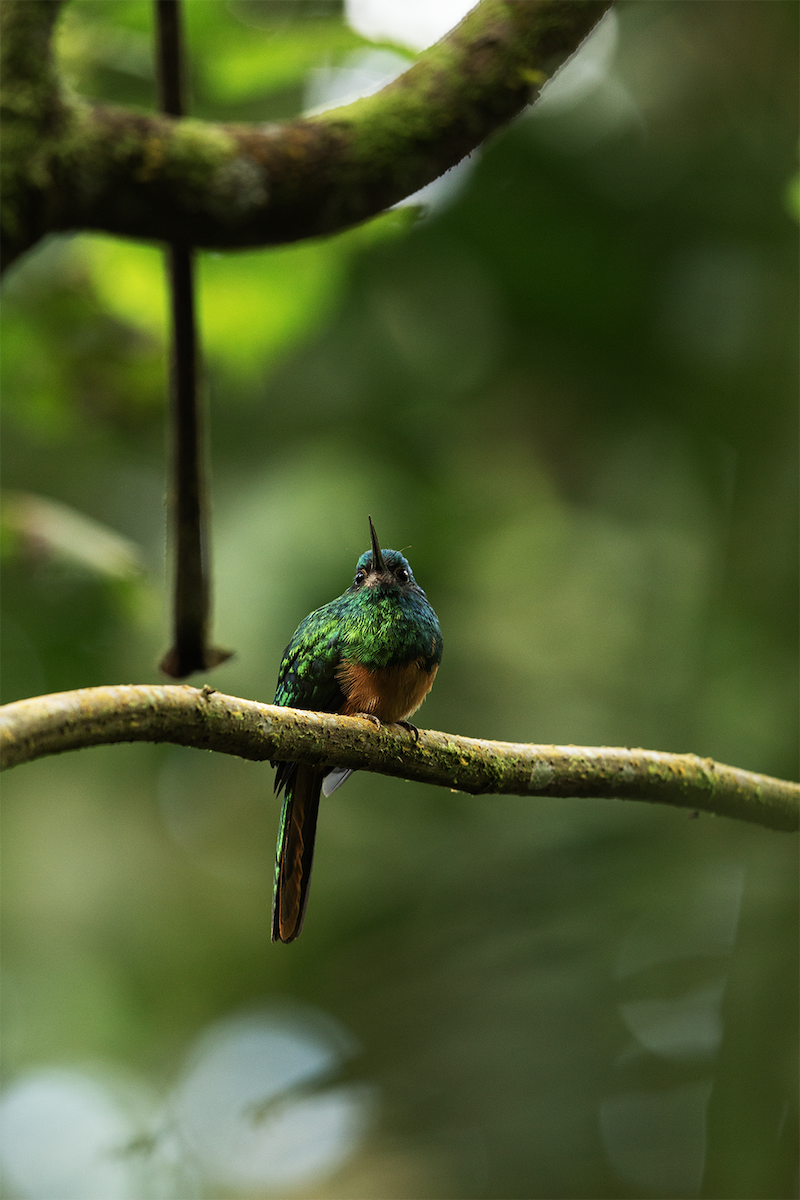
(295, 853)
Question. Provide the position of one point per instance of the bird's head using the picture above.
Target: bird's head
(384, 569)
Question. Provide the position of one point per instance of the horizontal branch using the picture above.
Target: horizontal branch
(209, 720)
(73, 165)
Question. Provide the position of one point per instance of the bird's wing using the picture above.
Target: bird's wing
(307, 675)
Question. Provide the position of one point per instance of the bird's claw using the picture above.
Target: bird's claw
(412, 729)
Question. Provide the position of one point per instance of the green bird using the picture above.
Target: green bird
(374, 651)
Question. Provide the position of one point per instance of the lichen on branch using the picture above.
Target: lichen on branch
(209, 720)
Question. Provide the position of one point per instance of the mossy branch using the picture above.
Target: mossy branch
(209, 720)
(73, 165)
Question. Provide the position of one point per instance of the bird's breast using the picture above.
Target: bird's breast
(390, 693)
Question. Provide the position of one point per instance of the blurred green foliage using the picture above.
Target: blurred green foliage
(570, 394)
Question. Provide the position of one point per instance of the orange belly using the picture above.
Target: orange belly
(389, 693)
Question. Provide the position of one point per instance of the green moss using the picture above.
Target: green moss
(71, 166)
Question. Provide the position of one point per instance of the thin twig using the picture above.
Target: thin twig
(169, 58)
(187, 497)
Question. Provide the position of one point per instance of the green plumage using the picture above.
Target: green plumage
(376, 649)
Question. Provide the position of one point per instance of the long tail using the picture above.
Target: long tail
(295, 851)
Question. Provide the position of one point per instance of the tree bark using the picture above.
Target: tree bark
(209, 720)
(72, 165)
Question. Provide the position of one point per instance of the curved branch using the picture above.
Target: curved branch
(209, 720)
(215, 185)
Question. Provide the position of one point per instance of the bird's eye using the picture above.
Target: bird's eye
(360, 577)
(401, 575)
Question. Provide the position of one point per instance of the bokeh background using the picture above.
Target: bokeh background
(564, 382)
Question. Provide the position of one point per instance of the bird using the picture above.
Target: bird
(373, 652)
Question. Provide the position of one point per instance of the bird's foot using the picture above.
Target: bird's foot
(411, 728)
(370, 717)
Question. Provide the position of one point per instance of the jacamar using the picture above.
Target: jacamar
(374, 651)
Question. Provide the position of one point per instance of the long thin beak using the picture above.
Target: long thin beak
(377, 558)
